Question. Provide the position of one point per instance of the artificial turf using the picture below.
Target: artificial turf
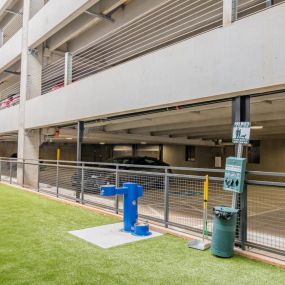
(35, 248)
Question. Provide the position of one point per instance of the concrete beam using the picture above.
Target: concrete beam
(90, 135)
(195, 129)
(191, 118)
(180, 127)
(148, 139)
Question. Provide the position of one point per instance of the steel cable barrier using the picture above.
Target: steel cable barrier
(166, 24)
(12, 26)
(9, 95)
(173, 196)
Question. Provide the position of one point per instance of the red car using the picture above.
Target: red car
(57, 86)
(10, 101)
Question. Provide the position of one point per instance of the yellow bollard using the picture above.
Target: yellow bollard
(206, 193)
(58, 154)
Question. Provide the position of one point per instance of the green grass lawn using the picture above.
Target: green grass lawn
(35, 248)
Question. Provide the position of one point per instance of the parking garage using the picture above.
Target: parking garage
(168, 147)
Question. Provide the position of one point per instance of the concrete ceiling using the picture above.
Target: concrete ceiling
(200, 125)
(204, 125)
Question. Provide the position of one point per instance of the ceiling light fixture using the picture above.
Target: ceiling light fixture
(256, 127)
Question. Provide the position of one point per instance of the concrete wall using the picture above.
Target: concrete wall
(10, 52)
(248, 55)
(48, 151)
(205, 156)
(7, 149)
(272, 156)
(9, 119)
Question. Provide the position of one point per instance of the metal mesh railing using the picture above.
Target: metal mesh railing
(151, 205)
(10, 96)
(173, 197)
(185, 197)
(93, 178)
(47, 178)
(266, 216)
(266, 211)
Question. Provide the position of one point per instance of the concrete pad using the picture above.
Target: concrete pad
(109, 235)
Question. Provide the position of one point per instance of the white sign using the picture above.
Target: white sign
(241, 132)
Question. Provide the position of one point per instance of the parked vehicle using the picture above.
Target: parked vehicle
(10, 101)
(140, 160)
(57, 86)
(93, 179)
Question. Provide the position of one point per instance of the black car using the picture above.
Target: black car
(93, 179)
(140, 160)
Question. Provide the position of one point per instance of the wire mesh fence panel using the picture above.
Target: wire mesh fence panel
(151, 204)
(5, 171)
(48, 178)
(266, 217)
(186, 202)
(14, 170)
(9, 171)
(93, 179)
(66, 186)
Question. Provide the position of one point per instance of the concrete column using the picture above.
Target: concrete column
(28, 140)
(68, 68)
(229, 12)
(35, 64)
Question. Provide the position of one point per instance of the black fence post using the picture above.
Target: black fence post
(80, 135)
(241, 113)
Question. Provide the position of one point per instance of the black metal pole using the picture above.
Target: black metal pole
(80, 135)
(241, 113)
